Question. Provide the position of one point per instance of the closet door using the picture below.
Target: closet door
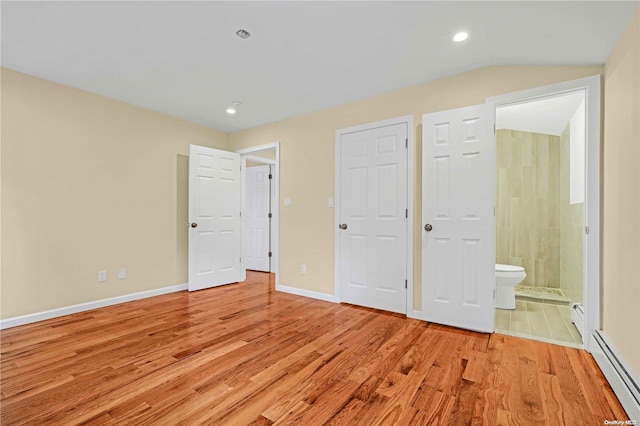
(256, 218)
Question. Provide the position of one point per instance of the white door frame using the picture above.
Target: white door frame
(408, 119)
(591, 249)
(250, 154)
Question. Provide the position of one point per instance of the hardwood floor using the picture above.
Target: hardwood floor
(244, 354)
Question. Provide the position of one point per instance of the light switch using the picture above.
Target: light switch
(287, 202)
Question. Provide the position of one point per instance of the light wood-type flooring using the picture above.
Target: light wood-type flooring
(245, 354)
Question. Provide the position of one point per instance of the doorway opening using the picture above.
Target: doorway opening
(546, 211)
(260, 195)
(540, 214)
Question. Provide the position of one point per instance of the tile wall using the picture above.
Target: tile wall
(528, 205)
(571, 231)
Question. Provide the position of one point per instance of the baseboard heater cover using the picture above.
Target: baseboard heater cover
(624, 383)
(577, 317)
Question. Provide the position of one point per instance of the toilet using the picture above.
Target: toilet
(507, 277)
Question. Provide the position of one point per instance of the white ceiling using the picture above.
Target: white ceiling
(549, 116)
(184, 59)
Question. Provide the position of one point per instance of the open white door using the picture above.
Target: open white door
(256, 218)
(214, 216)
(458, 235)
(373, 217)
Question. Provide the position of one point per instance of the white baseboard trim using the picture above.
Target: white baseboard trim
(307, 293)
(622, 380)
(54, 313)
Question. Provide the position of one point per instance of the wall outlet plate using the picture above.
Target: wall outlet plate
(287, 202)
(122, 273)
(102, 276)
(303, 269)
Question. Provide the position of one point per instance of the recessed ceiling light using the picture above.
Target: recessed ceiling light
(461, 36)
(243, 33)
(233, 108)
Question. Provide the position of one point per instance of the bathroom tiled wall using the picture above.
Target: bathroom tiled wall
(571, 230)
(528, 205)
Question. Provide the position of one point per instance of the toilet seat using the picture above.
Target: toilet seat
(508, 268)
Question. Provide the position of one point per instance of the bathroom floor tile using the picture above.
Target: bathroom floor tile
(503, 320)
(541, 321)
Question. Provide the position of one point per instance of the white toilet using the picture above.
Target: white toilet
(507, 277)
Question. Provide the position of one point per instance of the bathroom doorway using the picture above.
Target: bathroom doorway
(543, 199)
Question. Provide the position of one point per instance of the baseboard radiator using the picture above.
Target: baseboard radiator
(621, 378)
(577, 317)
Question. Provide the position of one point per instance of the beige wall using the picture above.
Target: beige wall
(528, 205)
(571, 229)
(621, 195)
(89, 184)
(308, 163)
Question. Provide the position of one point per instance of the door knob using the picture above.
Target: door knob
(428, 227)
(343, 226)
(194, 225)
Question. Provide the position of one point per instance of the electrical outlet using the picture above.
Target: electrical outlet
(122, 273)
(102, 276)
(287, 202)
(330, 202)
(303, 269)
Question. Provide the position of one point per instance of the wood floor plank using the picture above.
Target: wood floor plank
(246, 354)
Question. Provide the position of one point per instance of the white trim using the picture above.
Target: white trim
(68, 310)
(248, 153)
(307, 293)
(259, 148)
(408, 120)
(261, 160)
(624, 384)
(591, 254)
(243, 202)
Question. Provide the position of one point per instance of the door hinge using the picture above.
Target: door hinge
(406, 213)
(270, 215)
(270, 254)
(494, 294)
(406, 142)
(494, 128)
(586, 230)
(405, 283)
(240, 214)
(270, 176)
(240, 260)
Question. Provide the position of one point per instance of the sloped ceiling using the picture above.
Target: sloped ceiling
(184, 59)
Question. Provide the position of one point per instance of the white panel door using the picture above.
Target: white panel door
(458, 197)
(256, 218)
(214, 216)
(373, 203)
